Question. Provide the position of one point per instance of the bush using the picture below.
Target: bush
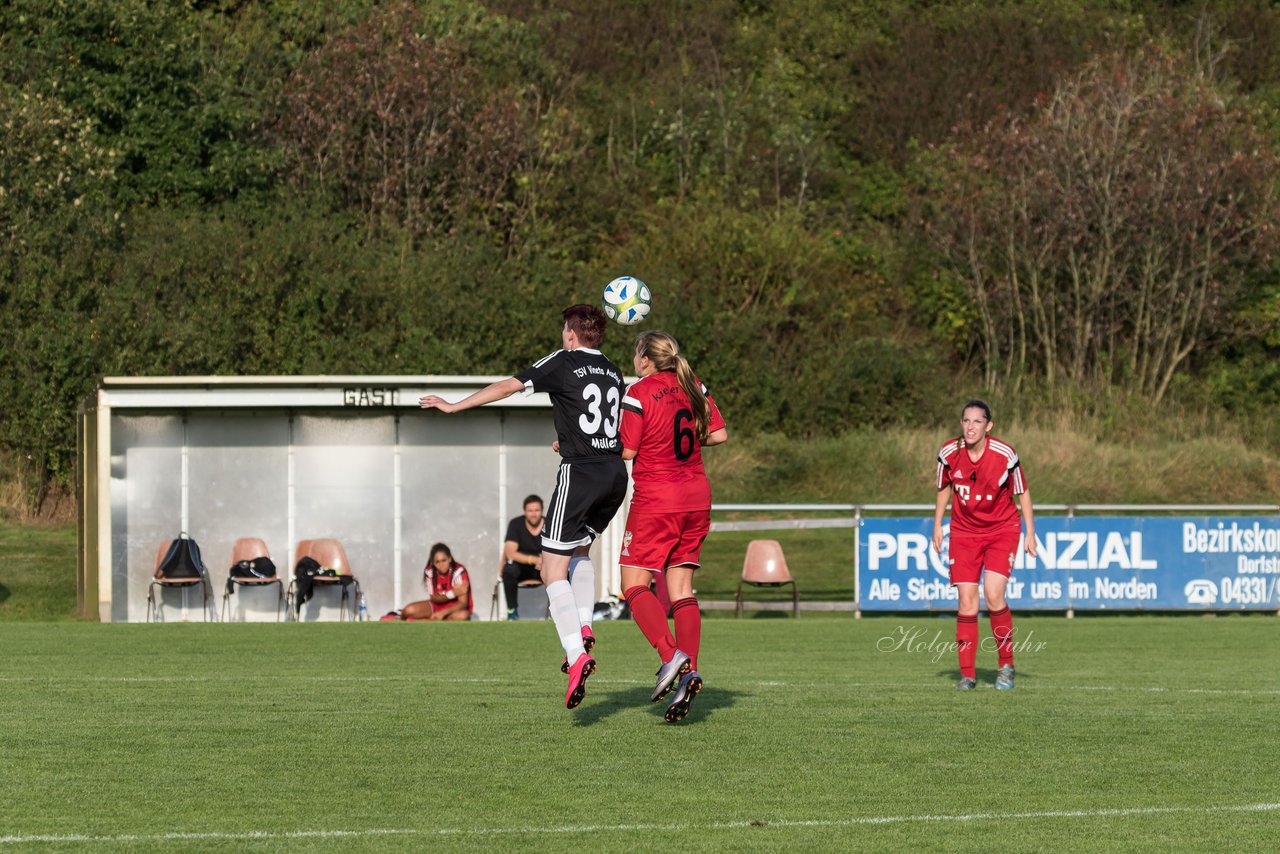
(786, 325)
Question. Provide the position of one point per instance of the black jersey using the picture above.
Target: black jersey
(586, 393)
(526, 543)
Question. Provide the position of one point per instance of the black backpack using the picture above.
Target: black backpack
(182, 560)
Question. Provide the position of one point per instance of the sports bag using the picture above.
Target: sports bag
(259, 567)
(182, 560)
(305, 572)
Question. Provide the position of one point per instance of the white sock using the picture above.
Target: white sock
(565, 615)
(582, 576)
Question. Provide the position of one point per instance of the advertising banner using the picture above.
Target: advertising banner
(1166, 563)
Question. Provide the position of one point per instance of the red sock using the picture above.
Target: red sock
(1002, 629)
(967, 643)
(649, 616)
(688, 627)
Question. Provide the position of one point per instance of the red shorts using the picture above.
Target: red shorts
(659, 540)
(972, 553)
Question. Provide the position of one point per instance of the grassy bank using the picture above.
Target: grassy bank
(1064, 463)
(37, 571)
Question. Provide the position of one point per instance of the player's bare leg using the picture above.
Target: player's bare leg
(417, 611)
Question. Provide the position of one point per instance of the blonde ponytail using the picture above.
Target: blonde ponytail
(664, 352)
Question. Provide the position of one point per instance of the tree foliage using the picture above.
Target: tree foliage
(154, 83)
(402, 127)
(57, 226)
(1106, 236)
(350, 186)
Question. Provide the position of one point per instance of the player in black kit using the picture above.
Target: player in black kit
(586, 394)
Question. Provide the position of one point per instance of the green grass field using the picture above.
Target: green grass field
(814, 734)
(37, 571)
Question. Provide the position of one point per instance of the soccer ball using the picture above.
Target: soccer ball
(626, 300)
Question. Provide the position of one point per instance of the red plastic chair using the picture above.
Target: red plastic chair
(328, 552)
(248, 548)
(154, 610)
(765, 566)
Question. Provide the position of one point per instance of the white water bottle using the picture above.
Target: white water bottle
(362, 608)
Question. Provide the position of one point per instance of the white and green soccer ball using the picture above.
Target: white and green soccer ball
(626, 300)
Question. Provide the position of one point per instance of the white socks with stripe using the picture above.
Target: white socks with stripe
(564, 613)
(582, 576)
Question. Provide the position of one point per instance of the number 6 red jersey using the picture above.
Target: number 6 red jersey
(657, 421)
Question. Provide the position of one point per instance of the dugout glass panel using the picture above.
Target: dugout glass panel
(146, 511)
(450, 493)
(344, 488)
(531, 464)
(238, 486)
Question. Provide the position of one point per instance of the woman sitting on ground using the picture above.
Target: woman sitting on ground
(448, 587)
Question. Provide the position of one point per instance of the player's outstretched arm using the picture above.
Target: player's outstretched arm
(717, 437)
(500, 390)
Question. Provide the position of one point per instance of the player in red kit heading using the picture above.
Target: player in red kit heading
(667, 418)
(981, 477)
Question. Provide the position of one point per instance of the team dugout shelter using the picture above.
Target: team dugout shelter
(287, 459)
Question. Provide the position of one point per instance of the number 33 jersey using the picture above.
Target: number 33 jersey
(586, 392)
(657, 421)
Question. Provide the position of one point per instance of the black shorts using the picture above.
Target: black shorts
(588, 494)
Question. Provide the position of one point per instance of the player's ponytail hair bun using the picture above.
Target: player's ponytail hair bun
(664, 351)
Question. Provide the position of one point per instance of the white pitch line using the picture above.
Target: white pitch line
(628, 828)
